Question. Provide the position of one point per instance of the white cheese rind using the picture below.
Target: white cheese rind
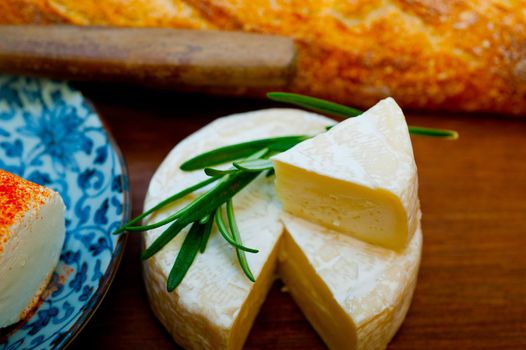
(359, 178)
(29, 257)
(202, 312)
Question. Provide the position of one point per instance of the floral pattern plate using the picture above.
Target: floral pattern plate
(51, 135)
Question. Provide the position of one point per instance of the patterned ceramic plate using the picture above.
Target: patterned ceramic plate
(49, 134)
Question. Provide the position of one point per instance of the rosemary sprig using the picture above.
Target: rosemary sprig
(249, 160)
(235, 152)
(338, 110)
(204, 205)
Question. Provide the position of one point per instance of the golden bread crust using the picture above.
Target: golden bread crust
(448, 55)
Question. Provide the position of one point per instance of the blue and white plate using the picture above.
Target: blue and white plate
(51, 135)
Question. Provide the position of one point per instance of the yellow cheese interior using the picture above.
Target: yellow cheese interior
(332, 323)
(374, 215)
(250, 308)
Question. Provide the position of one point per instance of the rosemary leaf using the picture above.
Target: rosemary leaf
(157, 224)
(315, 104)
(447, 134)
(259, 154)
(237, 237)
(232, 152)
(217, 172)
(186, 255)
(251, 165)
(284, 145)
(165, 202)
(223, 230)
(165, 237)
(207, 230)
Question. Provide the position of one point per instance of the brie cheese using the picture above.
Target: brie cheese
(31, 237)
(358, 178)
(355, 294)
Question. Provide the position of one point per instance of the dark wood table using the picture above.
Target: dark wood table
(471, 291)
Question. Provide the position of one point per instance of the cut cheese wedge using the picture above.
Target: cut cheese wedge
(32, 230)
(358, 178)
(215, 305)
(354, 294)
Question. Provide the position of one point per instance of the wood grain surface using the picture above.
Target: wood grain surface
(225, 62)
(471, 291)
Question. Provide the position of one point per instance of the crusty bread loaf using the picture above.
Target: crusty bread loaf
(449, 55)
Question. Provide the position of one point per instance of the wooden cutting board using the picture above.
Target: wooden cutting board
(471, 291)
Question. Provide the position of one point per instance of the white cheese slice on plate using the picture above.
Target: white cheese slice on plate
(358, 178)
(215, 305)
(32, 232)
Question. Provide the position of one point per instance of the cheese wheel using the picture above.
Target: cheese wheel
(215, 305)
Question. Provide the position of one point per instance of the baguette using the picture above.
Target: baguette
(454, 55)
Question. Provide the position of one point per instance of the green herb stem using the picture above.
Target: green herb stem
(223, 230)
(165, 202)
(237, 237)
(251, 165)
(207, 230)
(157, 224)
(170, 233)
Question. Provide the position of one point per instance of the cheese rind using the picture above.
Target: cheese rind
(32, 232)
(358, 178)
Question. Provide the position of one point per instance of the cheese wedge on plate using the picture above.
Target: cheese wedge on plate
(355, 293)
(31, 237)
(358, 178)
